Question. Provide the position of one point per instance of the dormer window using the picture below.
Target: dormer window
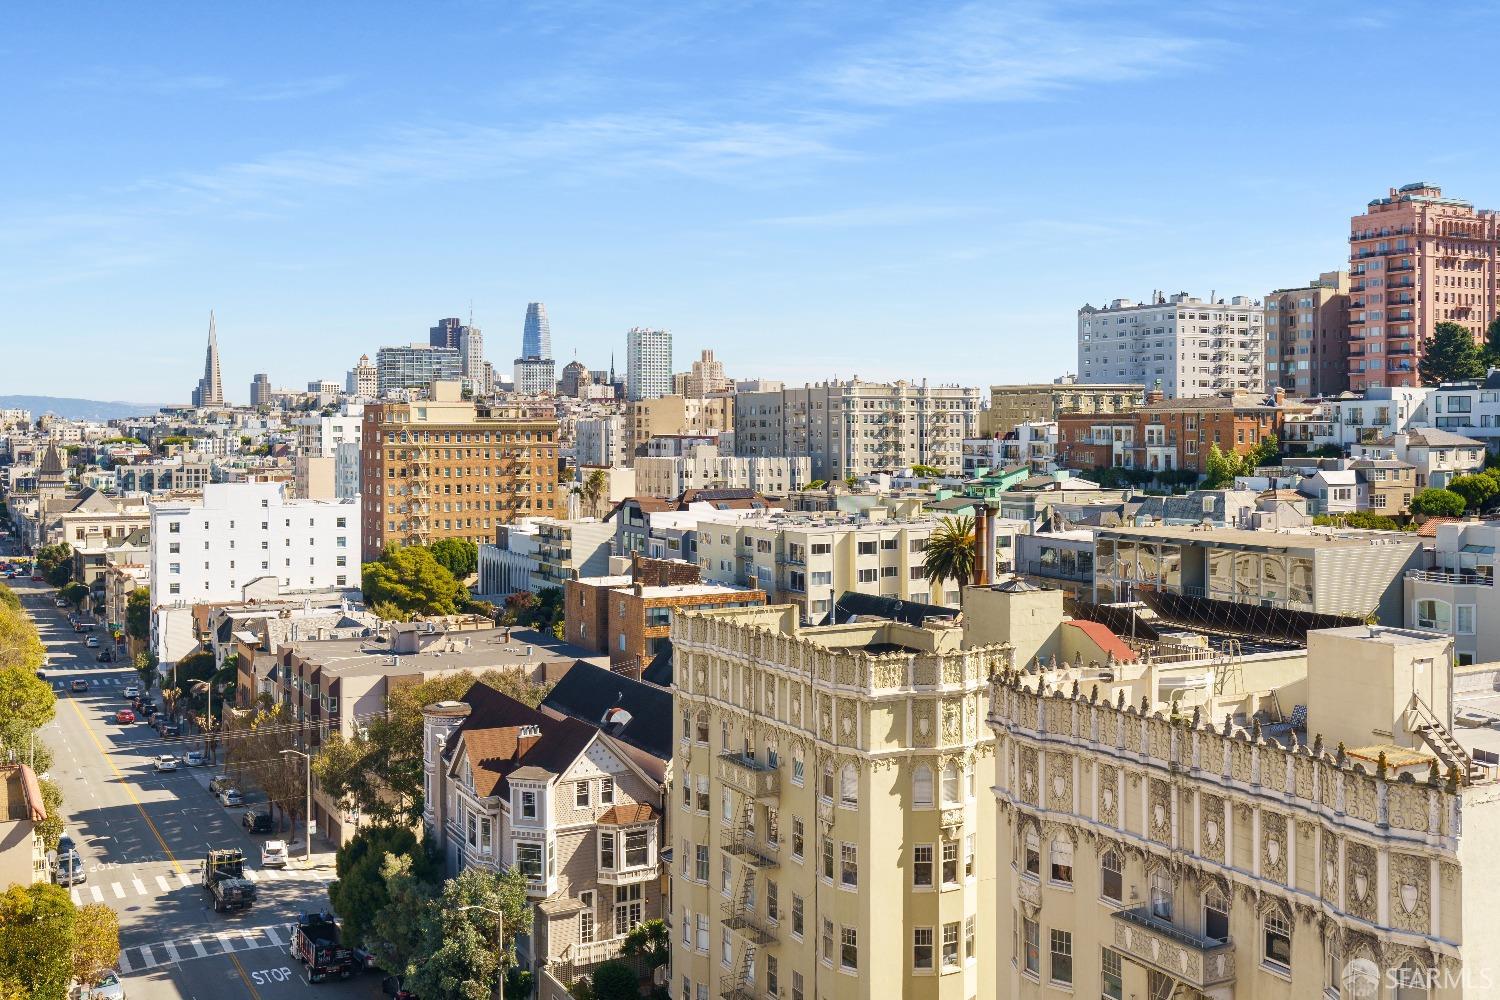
(528, 805)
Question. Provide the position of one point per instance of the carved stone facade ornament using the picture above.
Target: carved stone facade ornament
(1109, 809)
(1273, 846)
(1359, 881)
(1211, 808)
(1060, 782)
(1411, 893)
(1028, 776)
(952, 720)
(924, 724)
(1159, 802)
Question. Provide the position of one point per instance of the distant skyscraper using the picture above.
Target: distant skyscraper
(363, 379)
(210, 391)
(471, 358)
(536, 336)
(446, 333)
(260, 390)
(415, 367)
(648, 364)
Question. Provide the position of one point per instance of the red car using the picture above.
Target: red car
(124, 715)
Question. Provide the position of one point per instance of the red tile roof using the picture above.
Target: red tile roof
(628, 815)
(1106, 640)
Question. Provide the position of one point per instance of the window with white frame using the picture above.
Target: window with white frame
(950, 945)
(1061, 970)
(1464, 619)
(607, 850)
(921, 948)
(531, 859)
(849, 865)
(951, 785)
(628, 908)
(1215, 916)
(1032, 852)
(1163, 889)
(849, 948)
(849, 787)
(637, 848)
(1434, 615)
(950, 863)
(528, 804)
(586, 919)
(921, 786)
(921, 866)
(1111, 877)
(799, 838)
(1061, 858)
(1031, 947)
(1112, 975)
(581, 797)
(606, 791)
(702, 928)
(1278, 942)
(799, 766)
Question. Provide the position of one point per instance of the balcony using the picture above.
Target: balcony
(1459, 579)
(629, 875)
(749, 777)
(1148, 940)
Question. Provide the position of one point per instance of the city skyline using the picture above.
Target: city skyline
(839, 177)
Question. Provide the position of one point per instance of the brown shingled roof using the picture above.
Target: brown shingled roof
(628, 814)
(495, 747)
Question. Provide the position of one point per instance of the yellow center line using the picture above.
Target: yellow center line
(129, 789)
(241, 970)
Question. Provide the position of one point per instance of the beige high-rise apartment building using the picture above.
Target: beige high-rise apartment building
(828, 809)
(1178, 837)
(1307, 337)
(1417, 259)
(439, 468)
(665, 416)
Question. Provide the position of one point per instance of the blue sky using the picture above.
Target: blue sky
(813, 189)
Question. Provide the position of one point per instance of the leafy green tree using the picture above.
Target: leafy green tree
(20, 646)
(74, 593)
(1220, 467)
(36, 940)
(360, 892)
(26, 705)
(1437, 503)
(138, 614)
(650, 941)
(458, 556)
(55, 563)
(397, 931)
(1477, 489)
(51, 828)
(1450, 356)
(96, 941)
(614, 980)
(146, 670)
(466, 949)
(1491, 354)
(410, 579)
(8, 598)
(950, 551)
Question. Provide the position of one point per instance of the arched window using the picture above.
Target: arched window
(828, 780)
(921, 786)
(1112, 877)
(1061, 859)
(1278, 940)
(951, 793)
(701, 725)
(1411, 982)
(849, 786)
(1032, 849)
(1434, 615)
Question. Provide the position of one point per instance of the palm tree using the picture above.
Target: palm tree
(594, 488)
(950, 551)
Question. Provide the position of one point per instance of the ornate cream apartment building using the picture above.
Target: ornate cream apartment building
(829, 808)
(1174, 851)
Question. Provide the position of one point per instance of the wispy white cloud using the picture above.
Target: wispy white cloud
(874, 216)
(998, 52)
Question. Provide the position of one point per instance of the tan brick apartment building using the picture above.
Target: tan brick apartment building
(1307, 337)
(1168, 433)
(442, 468)
(1417, 259)
(1014, 405)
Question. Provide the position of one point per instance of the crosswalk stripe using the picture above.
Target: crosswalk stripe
(98, 896)
(198, 946)
(119, 891)
(250, 941)
(252, 874)
(77, 899)
(140, 887)
(163, 883)
(182, 877)
(172, 952)
(148, 960)
(270, 932)
(124, 961)
(224, 939)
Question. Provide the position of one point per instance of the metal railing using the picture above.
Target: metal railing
(1450, 577)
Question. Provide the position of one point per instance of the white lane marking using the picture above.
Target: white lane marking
(140, 887)
(98, 896)
(270, 932)
(77, 899)
(182, 877)
(148, 960)
(250, 941)
(125, 965)
(119, 891)
(198, 946)
(224, 939)
(161, 881)
(252, 874)
(172, 952)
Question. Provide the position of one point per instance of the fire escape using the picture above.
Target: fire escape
(740, 913)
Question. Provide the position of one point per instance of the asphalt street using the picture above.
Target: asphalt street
(143, 837)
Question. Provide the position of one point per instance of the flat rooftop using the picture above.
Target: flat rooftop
(476, 651)
(1389, 636)
(1261, 539)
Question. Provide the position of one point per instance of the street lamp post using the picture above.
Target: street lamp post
(307, 818)
(499, 943)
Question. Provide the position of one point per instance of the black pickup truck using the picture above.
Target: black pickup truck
(224, 880)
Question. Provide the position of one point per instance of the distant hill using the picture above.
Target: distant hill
(77, 409)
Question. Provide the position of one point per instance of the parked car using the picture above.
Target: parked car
(255, 821)
(67, 869)
(105, 656)
(273, 854)
(171, 731)
(59, 602)
(166, 762)
(218, 783)
(92, 642)
(132, 691)
(364, 960)
(231, 797)
(124, 716)
(195, 758)
(109, 987)
(79, 685)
